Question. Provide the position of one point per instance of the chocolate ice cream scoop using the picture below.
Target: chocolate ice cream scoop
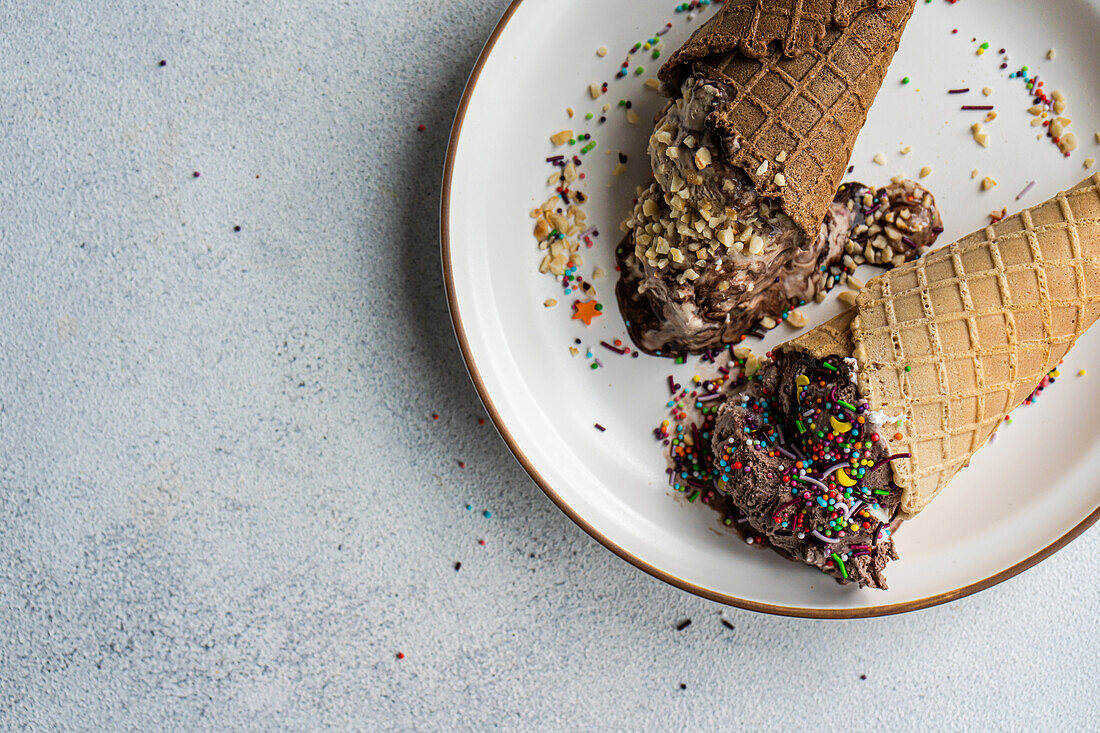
(707, 257)
(801, 456)
(692, 280)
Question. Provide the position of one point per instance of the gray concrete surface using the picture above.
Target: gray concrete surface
(224, 503)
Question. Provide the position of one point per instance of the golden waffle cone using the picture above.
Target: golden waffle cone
(834, 337)
(957, 340)
(804, 75)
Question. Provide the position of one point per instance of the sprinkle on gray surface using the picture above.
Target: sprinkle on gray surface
(224, 502)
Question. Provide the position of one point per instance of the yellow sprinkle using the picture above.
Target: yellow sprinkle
(1081, 373)
(838, 426)
(801, 381)
(844, 478)
(1055, 373)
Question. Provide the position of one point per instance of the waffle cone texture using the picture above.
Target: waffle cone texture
(804, 75)
(957, 340)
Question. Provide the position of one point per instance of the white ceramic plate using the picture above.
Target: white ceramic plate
(1025, 495)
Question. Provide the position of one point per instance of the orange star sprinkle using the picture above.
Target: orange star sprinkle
(586, 311)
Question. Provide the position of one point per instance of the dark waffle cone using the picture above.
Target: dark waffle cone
(751, 26)
(804, 75)
(957, 340)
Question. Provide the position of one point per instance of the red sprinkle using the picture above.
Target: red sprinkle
(421, 128)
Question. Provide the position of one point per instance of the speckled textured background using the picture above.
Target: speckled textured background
(224, 502)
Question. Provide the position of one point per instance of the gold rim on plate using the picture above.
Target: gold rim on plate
(525, 462)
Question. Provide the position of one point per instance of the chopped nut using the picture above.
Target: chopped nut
(762, 169)
(795, 319)
(855, 283)
(632, 117)
(780, 180)
(1050, 54)
(619, 169)
(1058, 126)
(702, 158)
(601, 51)
(549, 302)
(848, 297)
(573, 350)
(880, 158)
(1068, 142)
(595, 90)
(1037, 121)
(752, 365)
(906, 150)
(1090, 162)
(991, 116)
(1036, 109)
(768, 322)
(925, 171)
(897, 179)
(756, 244)
(782, 157)
(988, 183)
(987, 91)
(560, 138)
(980, 136)
(654, 84)
(569, 111)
